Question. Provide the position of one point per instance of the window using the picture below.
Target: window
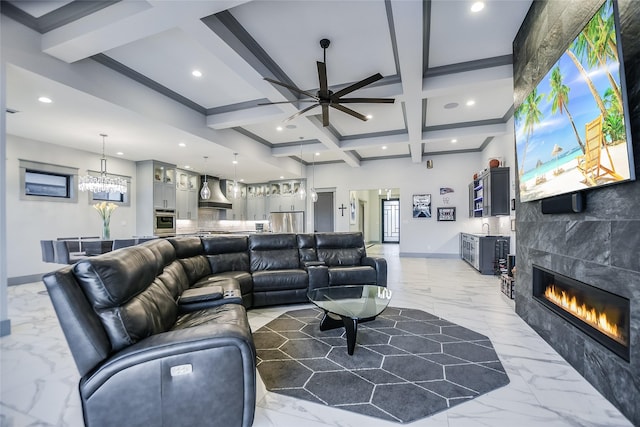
(46, 182)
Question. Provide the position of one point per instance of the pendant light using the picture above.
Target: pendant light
(312, 191)
(235, 176)
(302, 194)
(205, 193)
(102, 183)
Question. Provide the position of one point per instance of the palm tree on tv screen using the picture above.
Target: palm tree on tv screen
(596, 45)
(559, 98)
(532, 116)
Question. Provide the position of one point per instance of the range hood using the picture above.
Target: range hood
(217, 199)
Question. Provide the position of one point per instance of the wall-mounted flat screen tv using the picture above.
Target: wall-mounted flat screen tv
(572, 131)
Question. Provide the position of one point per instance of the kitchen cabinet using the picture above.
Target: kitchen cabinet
(484, 253)
(257, 202)
(489, 193)
(155, 189)
(164, 186)
(187, 195)
(284, 196)
(238, 201)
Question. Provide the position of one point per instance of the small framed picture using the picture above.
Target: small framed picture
(422, 205)
(446, 214)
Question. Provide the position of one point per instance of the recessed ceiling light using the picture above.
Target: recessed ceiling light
(120, 153)
(279, 128)
(369, 117)
(241, 179)
(45, 100)
(187, 167)
(451, 105)
(235, 162)
(453, 141)
(281, 177)
(477, 6)
(384, 147)
(470, 102)
(182, 144)
(317, 154)
(196, 73)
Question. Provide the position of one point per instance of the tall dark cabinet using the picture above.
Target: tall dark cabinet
(489, 193)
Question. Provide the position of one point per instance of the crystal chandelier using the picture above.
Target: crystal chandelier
(103, 183)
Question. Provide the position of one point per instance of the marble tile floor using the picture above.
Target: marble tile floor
(38, 378)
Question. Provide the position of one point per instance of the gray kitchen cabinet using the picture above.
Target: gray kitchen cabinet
(187, 195)
(484, 252)
(238, 201)
(164, 185)
(489, 193)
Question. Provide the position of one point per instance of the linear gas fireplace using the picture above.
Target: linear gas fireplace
(600, 314)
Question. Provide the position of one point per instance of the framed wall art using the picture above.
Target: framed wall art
(422, 205)
(446, 214)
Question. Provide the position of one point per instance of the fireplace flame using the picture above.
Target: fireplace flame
(587, 314)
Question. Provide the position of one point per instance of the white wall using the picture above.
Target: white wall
(28, 222)
(419, 236)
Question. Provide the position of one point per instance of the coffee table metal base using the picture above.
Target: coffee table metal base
(350, 326)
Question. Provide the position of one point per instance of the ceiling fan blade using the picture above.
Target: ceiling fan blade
(349, 111)
(288, 102)
(365, 100)
(356, 86)
(322, 77)
(301, 112)
(325, 115)
(293, 88)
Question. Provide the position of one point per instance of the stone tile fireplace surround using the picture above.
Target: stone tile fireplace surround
(599, 246)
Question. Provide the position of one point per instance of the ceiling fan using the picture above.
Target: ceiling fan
(326, 98)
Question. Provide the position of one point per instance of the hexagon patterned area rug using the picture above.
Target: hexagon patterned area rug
(407, 364)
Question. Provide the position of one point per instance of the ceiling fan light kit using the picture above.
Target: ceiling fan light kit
(326, 98)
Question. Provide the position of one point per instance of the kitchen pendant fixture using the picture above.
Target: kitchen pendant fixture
(205, 193)
(302, 194)
(312, 191)
(102, 183)
(235, 176)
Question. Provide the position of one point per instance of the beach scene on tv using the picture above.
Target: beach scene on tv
(570, 130)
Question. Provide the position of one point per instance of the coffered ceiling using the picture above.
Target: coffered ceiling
(125, 68)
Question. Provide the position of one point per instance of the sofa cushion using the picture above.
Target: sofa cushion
(268, 280)
(195, 267)
(187, 247)
(357, 275)
(164, 251)
(273, 252)
(343, 249)
(307, 248)
(131, 302)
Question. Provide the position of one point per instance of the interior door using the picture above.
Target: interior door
(323, 212)
(391, 221)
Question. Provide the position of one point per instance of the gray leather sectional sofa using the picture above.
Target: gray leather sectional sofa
(159, 331)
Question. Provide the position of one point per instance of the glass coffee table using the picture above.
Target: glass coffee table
(352, 304)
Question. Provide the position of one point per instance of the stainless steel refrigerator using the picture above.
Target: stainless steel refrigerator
(287, 222)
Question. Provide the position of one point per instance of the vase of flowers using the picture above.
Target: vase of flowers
(105, 209)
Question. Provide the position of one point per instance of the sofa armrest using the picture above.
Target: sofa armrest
(380, 265)
(150, 381)
(318, 276)
(313, 263)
